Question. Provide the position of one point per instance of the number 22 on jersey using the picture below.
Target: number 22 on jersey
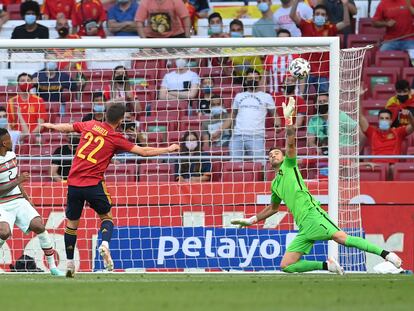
(95, 139)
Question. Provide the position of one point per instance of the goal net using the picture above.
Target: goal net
(221, 101)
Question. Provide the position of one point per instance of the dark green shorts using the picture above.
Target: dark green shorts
(316, 226)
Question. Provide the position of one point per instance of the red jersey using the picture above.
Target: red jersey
(86, 11)
(396, 106)
(32, 110)
(98, 144)
(319, 61)
(386, 143)
(51, 8)
(280, 98)
(398, 11)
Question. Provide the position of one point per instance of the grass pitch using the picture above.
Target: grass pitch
(210, 292)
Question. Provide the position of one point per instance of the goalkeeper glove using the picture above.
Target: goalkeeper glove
(244, 222)
(289, 111)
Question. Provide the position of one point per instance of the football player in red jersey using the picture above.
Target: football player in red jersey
(98, 144)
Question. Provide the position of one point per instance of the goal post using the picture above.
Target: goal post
(165, 222)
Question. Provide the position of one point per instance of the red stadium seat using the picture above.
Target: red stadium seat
(156, 139)
(410, 151)
(78, 107)
(365, 27)
(374, 172)
(383, 91)
(408, 74)
(192, 123)
(392, 59)
(216, 170)
(372, 106)
(156, 172)
(52, 138)
(14, 11)
(39, 170)
(404, 171)
(169, 105)
(121, 173)
(242, 172)
(380, 75)
(362, 40)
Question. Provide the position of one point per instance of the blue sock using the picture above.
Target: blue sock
(70, 242)
(107, 227)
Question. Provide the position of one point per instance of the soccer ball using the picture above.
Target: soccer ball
(299, 68)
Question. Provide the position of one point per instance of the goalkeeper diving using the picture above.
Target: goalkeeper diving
(313, 222)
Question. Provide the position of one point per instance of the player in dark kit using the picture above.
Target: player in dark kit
(98, 144)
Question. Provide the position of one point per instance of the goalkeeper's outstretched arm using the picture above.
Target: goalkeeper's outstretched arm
(263, 214)
(288, 113)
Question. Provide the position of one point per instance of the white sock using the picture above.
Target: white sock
(105, 243)
(45, 244)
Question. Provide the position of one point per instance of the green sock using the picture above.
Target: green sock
(303, 266)
(364, 245)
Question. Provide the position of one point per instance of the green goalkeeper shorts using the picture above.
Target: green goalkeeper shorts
(316, 226)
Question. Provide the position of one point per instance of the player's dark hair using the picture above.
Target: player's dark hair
(402, 85)
(115, 113)
(385, 111)
(237, 22)
(281, 30)
(275, 148)
(3, 109)
(3, 132)
(29, 6)
(214, 15)
(23, 74)
(320, 6)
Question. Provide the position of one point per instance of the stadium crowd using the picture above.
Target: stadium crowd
(217, 106)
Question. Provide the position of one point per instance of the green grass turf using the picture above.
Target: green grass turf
(173, 292)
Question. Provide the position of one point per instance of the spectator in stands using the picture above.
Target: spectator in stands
(88, 18)
(318, 127)
(181, 83)
(63, 29)
(384, 139)
(204, 101)
(98, 108)
(289, 88)
(202, 7)
(59, 168)
(31, 107)
(51, 8)
(15, 135)
(212, 128)
(397, 18)
(319, 27)
(130, 126)
(30, 12)
(215, 26)
(192, 13)
(4, 17)
(336, 12)
(264, 27)
(250, 108)
(121, 18)
(121, 90)
(402, 100)
(283, 20)
(192, 170)
(163, 19)
(52, 84)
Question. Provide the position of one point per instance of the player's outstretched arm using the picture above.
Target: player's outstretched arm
(4, 189)
(263, 214)
(289, 112)
(62, 127)
(150, 152)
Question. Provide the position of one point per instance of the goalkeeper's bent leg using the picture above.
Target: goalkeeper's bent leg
(365, 245)
(305, 265)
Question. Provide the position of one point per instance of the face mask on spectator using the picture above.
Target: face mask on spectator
(3, 123)
(63, 32)
(98, 108)
(30, 19)
(25, 86)
(263, 7)
(319, 20)
(215, 110)
(236, 34)
(384, 125)
(191, 144)
(180, 63)
(51, 66)
(402, 98)
(216, 29)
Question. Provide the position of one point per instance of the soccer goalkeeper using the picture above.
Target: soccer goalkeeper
(313, 222)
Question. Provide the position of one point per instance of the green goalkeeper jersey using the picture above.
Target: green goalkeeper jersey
(289, 186)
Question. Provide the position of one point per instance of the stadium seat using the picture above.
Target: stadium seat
(54, 138)
(13, 10)
(169, 105)
(372, 106)
(408, 74)
(121, 173)
(363, 40)
(78, 107)
(373, 172)
(156, 172)
(216, 170)
(156, 139)
(192, 123)
(365, 27)
(383, 92)
(398, 59)
(404, 171)
(154, 67)
(410, 151)
(242, 172)
(39, 170)
(380, 75)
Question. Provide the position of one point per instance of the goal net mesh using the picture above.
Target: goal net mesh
(173, 212)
